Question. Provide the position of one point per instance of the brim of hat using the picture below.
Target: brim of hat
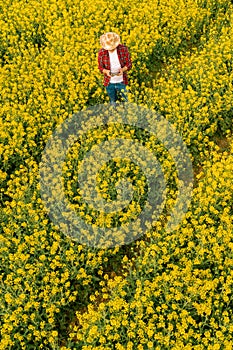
(112, 47)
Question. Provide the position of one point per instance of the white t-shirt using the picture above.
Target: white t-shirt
(115, 67)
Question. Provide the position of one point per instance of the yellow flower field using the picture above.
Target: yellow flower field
(164, 289)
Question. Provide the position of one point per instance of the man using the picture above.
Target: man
(114, 61)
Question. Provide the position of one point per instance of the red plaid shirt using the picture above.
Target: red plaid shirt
(124, 58)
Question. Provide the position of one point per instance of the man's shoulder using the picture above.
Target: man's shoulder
(102, 51)
(122, 47)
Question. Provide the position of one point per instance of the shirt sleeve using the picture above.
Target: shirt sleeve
(100, 61)
(128, 59)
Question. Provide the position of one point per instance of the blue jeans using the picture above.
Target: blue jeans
(113, 89)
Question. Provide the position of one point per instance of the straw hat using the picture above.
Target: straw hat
(109, 41)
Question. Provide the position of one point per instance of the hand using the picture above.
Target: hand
(107, 72)
(120, 72)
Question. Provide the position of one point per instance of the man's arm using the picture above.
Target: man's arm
(128, 62)
(100, 62)
(101, 65)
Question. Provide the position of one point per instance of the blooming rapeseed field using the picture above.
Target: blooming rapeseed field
(166, 290)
